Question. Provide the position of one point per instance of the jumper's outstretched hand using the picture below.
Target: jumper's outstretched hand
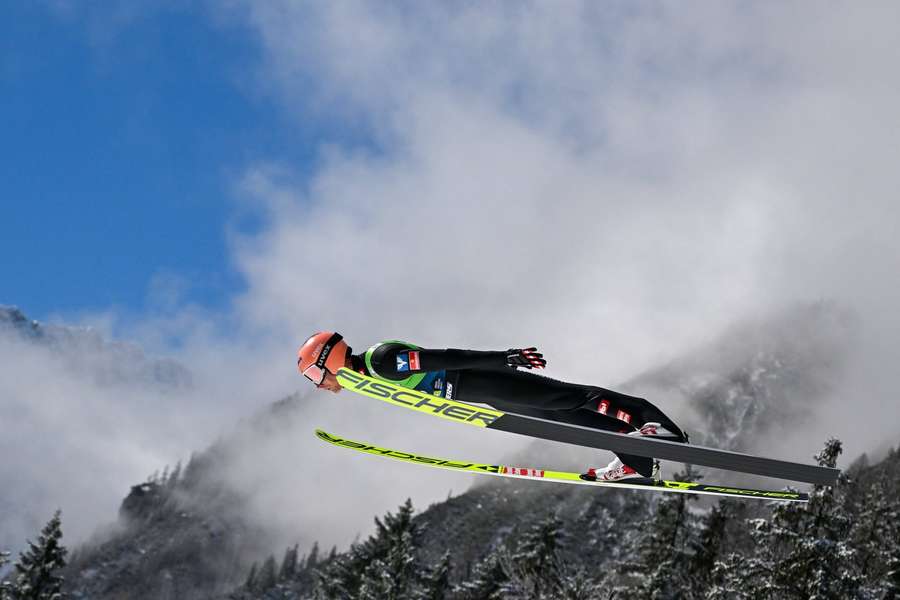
(528, 358)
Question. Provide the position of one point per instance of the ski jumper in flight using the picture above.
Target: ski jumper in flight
(494, 378)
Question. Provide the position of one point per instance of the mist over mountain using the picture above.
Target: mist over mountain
(656, 197)
(85, 350)
(764, 379)
(81, 417)
(196, 529)
(764, 385)
(190, 532)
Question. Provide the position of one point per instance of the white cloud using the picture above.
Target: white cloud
(74, 434)
(611, 182)
(615, 184)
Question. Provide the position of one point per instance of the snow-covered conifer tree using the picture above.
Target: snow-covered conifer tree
(535, 569)
(174, 476)
(892, 577)
(436, 586)
(707, 545)
(288, 564)
(659, 565)
(875, 534)
(801, 551)
(313, 559)
(268, 575)
(38, 567)
(393, 574)
(250, 583)
(383, 566)
(5, 586)
(488, 577)
(579, 585)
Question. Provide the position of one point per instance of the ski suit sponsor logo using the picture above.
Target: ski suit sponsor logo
(414, 360)
(603, 407)
(623, 416)
(422, 402)
(699, 487)
(403, 361)
(449, 393)
(407, 456)
(740, 492)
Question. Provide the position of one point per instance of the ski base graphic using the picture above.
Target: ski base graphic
(683, 487)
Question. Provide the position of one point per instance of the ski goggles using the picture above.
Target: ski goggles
(315, 374)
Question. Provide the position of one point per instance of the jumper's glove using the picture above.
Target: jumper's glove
(527, 357)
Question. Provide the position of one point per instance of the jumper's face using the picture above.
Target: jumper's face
(330, 383)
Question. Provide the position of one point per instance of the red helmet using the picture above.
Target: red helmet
(323, 351)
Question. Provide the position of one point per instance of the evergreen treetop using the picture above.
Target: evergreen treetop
(436, 586)
(38, 567)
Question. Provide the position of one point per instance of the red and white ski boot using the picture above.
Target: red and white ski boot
(614, 471)
(655, 430)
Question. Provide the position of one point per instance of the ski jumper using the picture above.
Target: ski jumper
(484, 377)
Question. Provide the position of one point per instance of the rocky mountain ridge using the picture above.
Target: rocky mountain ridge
(185, 536)
(85, 349)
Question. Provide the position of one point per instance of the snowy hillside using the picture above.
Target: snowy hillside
(185, 534)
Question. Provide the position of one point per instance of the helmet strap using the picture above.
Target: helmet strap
(327, 348)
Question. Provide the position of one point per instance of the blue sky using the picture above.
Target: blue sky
(122, 143)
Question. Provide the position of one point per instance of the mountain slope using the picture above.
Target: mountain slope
(192, 537)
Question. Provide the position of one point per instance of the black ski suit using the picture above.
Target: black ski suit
(484, 377)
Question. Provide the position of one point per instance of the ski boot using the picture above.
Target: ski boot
(617, 471)
(655, 430)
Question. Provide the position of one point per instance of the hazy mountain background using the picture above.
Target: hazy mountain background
(194, 530)
(698, 205)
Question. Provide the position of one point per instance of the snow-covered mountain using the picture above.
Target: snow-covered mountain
(749, 383)
(761, 378)
(86, 350)
(80, 415)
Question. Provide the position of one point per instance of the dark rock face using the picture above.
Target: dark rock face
(143, 502)
(14, 320)
(182, 536)
(185, 534)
